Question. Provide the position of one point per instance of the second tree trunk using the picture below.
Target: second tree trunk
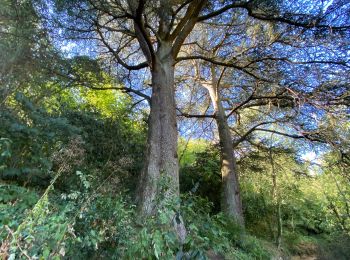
(230, 199)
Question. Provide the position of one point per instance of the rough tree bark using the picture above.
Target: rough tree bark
(161, 152)
(161, 155)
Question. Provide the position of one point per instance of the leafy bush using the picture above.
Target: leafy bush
(89, 223)
(14, 202)
(202, 177)
(35, 135)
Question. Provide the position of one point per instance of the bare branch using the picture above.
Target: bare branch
(294, 136)
(142, 35)
(287, 60)
(220, 11)
(194, 116)
(116, 54)
(222, 63)
(314, 22)
(186, 25)
(251, 130)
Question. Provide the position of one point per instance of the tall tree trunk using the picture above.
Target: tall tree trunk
(161, 157)
(279, 224)
(161, 162)
(277, 201)
(231, 203)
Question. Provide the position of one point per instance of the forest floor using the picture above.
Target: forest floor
(309, 252)
(322, 248)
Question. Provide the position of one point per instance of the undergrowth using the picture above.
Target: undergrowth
(86, 224)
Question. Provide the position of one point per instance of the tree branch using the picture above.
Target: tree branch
(302, 136)
(116, 54)
(124, 89)
(313, 23)
(225, 64)
(245, 135)
(186, 25)
(193, 116)
(287, 60)
(220, 11)
(141, 33)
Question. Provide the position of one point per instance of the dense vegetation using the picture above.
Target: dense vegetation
(74, 138)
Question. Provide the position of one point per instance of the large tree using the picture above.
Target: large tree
(254, 74)
(157, 33)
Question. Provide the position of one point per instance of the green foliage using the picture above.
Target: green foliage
(311, 205)
(335, 246)
(5, 151)
(202, 177)
(217, 233)
(90, 222)
(34, 135)
(14, 201)
(188, 150)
